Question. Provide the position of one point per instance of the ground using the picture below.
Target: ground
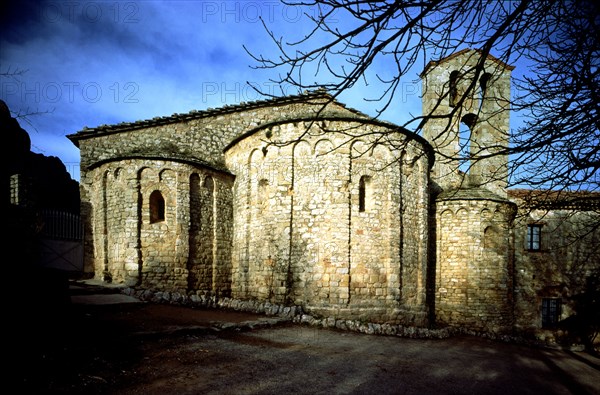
(142, 348)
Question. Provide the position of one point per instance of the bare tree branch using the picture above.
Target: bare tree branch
(558, 145)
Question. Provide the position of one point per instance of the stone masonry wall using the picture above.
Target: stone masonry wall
(198, 139)
(569, 258)
(474, 258)
(301, 237)
(189, 249)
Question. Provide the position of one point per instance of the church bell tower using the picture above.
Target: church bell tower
(467, 98)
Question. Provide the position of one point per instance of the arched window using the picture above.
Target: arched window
(362, 193)
(157, 207)
(453, 94)
(465, 139)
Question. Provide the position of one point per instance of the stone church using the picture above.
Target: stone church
(302, 202)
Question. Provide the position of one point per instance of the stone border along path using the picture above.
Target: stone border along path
(296, 315)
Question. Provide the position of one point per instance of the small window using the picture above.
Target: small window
(550, 312)
(534, 237)
(157, 207)
(362, 193)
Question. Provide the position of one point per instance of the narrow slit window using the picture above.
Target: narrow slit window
(534, 237)
(362, 193)
(157, 207)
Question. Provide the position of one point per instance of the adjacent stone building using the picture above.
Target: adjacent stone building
(302, 202)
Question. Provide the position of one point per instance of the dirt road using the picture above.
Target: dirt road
(158, 349)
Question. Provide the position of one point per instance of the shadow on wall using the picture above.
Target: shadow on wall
(583, 327)
(32, 183)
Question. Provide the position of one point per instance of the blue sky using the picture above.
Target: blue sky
(88, 63)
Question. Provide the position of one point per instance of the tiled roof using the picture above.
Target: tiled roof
(472, 193)
(434, 63)
(548, 199)
(320, 95)
(529, 198)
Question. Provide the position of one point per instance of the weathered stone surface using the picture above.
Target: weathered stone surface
(335, 220)
(300, 235)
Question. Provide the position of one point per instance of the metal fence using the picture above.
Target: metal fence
(61, 225)
(61, 241)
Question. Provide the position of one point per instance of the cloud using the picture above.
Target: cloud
(90, 63)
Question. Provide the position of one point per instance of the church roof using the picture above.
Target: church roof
(470, 193)
(530, 198)
(548, 199)
(319, 96)
(435, 63)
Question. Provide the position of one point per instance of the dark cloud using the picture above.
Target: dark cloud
(18, 19)
(89, 63)
(105, 29)
(85, 23)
